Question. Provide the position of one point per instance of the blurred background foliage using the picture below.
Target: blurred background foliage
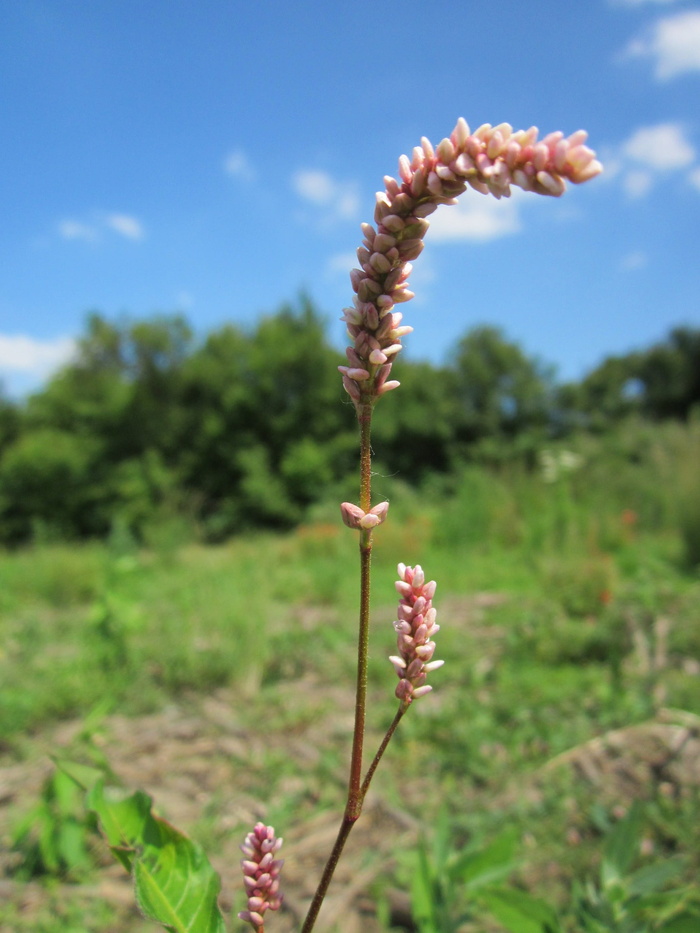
(169, 530)
(251, 429)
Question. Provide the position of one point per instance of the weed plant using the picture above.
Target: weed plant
(570, 582)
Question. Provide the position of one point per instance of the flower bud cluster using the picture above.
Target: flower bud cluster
(489, 160)
(415, 628)
(355, 517)
(261, 874)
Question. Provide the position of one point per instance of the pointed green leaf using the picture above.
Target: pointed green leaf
(175, 883)
(486, 865)
(422, 893)
(442, 840)
(520, 912)
(84, 776)
(654, 877)
(622, 846)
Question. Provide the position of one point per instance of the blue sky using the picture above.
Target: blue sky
(216, 158)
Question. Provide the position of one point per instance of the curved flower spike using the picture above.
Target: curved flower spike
(490, 160)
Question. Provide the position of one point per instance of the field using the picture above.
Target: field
(220, 679)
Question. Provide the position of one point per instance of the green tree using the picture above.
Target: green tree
(46, 487)
(659, 383)
(670, 374)
(10, 419)
(414, 434)
(260, 412)
(501, 392)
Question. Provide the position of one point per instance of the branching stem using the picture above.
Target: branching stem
(357, 788)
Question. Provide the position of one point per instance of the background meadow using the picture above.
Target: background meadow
(202, 646)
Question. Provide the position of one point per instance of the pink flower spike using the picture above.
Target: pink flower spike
(261, 872)
(416, 624)
(489, 160)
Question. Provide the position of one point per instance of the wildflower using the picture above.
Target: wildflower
(415, 627)
(489, 160)
(261, 874)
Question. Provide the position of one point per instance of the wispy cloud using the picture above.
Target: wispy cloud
(650, 153)
(694, 178)
(238, 164)
(92, 231)
(639, 2)
(126, 226)
(338, 200)
(77, 230)
(341, 263)
(634, 260)
(476, 217)
(37, 358)
(672, 44)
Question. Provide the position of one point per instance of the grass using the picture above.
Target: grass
(568, 608)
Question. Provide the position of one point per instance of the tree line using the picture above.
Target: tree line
(246, 428)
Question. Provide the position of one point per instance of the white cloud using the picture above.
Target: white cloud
(38, 358)
(237, 164)
(637, 182)
(672, 44)
(317, 187)
(475, 217)
(91, 232)
(649, 152)
(125, 225)
(184, 300)
(661, 147)
(634, 260)
(338, 198)
(341, 263)
(76, 230)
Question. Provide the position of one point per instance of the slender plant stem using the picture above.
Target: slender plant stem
(346, 827)
(380, 751)
(327, 875)
(354, 804)
(364, 417)
(353, 807)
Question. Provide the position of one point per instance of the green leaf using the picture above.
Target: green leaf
(175, 883)
(422, 893)
(84, 776)
(442, 840)
(654, 877)
(683, 923)
(622, 846)
(489, 864)
(520, 912)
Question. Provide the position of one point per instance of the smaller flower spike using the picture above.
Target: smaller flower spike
(261, 874)
(415, 627)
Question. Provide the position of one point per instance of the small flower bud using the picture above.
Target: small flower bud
(354, 517)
